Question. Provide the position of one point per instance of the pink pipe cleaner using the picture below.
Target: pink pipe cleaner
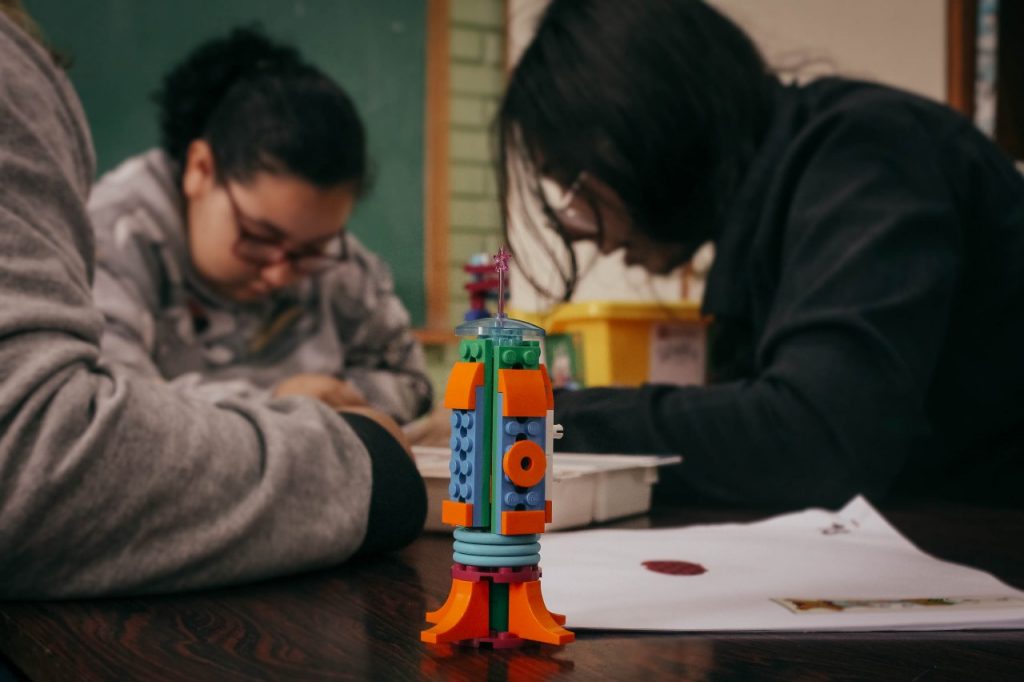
(501, 267)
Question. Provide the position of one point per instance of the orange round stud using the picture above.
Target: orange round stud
(525, 463)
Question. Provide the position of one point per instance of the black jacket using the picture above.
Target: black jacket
(868, 292)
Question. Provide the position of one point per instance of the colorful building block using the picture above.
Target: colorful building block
(501, 401)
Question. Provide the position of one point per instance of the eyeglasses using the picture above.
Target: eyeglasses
(576, 216)
(260, 244)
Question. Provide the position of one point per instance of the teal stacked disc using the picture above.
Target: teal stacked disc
(481, 548)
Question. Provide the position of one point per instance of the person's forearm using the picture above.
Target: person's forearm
(398, 503)
(760, 443)
(117, 485)
(403, 395)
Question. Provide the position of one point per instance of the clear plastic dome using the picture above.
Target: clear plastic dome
(504, 331)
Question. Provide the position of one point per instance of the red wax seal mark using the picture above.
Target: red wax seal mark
(675, 567)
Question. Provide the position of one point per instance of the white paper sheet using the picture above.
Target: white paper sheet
(850, 569)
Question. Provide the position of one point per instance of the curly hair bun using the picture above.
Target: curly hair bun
(191, 91)
(262, 108)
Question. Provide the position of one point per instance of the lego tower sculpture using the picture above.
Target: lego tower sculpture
(501, 402)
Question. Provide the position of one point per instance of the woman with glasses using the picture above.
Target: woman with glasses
(225, 263)
(867, 289)
(113, 483)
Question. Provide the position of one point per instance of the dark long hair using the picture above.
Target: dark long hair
(262, 108)
(665, 101)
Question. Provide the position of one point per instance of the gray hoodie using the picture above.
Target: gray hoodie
(164, 321)
(111, 483)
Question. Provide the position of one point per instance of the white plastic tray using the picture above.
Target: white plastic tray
(585, 488)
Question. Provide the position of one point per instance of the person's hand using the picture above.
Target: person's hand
(333, 392)
(432, 429)
(389, 424)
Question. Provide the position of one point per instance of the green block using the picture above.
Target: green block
(523, 356)
(495, 447)
(495, 456)
(471, 350)
(499, 606)
(482, 350)
(490, 386)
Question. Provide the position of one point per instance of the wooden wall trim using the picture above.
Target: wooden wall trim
(436, 184)
(1010, 79)
(961, 40)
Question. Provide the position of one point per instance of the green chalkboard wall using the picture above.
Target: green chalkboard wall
(374, 48)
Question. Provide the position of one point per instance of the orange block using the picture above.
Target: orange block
(547, 387)
(463, 616)
(529, 618)
(523, 391)
(522, 522)
(525, 463)
(456, 513)
(547, 511)
(460, 394)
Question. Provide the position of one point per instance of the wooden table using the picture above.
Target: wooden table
(362, 621)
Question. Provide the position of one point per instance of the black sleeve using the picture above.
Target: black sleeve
(398, 500)
(837, 403)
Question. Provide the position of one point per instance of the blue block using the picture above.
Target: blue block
(510, 497)
(468, 466)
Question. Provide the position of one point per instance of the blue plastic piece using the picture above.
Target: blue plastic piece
(468, 482)
(510, 497)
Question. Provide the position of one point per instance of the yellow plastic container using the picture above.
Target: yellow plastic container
(622, 340)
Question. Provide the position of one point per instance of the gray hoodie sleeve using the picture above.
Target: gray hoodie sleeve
(112, 484)
(126, 291)
(382, 357)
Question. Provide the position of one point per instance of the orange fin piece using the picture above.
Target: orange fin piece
(529, 618)
(436, 616)
(460, 394)
(463, 616)
(523, 391)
